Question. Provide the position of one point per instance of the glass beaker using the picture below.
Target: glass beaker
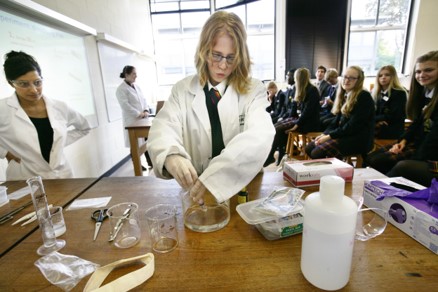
(162, 226)
(211, 216)
(124, 224)
(39, 199)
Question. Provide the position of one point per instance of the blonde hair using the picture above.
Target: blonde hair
(302, 80)
(218, 24)
(416, 90)
(393, 83)
(272, 85)
(331, 73)
(344, 104)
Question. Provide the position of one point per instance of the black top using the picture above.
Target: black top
(45, 135)
(355, 133)
(279, 103)
(392, 110)
(424, 135)
(307, 111)
(287, 109)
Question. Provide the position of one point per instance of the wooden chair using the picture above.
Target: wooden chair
(408, 122)
(300, 141)
(356, 160)
(378, 143)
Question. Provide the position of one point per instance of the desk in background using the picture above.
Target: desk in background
(236, 257)
(59, 192)
(139, 129)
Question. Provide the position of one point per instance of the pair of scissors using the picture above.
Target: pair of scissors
(98, 216)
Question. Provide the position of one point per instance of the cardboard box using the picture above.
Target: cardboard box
(303, 173)
(414, 217)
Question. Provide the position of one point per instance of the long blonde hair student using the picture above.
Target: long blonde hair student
(344, 104)
(302, 80)
(393, 83)
(413, 106)
(228, 23)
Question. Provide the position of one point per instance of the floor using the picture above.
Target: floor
(127, 169)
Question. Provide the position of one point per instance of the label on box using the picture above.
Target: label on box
(416, 218)
(309, 172)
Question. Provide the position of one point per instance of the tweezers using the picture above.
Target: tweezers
(9, 215)
(31, 216)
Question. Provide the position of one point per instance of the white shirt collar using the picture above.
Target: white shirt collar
(220, 87)
(429, 94)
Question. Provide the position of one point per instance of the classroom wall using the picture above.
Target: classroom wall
(128, 21)
(424, 31)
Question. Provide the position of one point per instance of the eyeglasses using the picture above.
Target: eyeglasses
(26, 84)
(218, 58)
(349, 78)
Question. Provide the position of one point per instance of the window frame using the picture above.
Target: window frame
(181, 37)
(375, 29)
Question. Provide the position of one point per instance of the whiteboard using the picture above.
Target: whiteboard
(113, 59)
(61, 56)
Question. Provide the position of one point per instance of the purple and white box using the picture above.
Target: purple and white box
(415, 217)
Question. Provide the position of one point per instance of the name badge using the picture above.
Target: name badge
(385, 98)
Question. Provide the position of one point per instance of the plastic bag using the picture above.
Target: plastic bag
(64, 271)
(280, 202)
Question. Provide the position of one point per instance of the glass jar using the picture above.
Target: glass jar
(209, 217)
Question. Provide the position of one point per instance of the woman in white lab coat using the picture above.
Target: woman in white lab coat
(207, 143)
(34, 129)
(132, 101)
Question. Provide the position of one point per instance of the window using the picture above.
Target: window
(378, 32)
(177, 25)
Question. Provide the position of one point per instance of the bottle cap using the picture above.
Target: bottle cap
(331, 188)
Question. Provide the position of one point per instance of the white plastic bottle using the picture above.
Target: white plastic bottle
(328, 235)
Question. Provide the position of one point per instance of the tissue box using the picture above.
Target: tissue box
(413, 217)
(303, 173)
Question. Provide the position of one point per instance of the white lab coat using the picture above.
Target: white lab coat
(133, 103)
(183, 127)
(19, 136)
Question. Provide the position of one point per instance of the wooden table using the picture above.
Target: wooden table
(235, 258)
(59, 192)
(139, 129)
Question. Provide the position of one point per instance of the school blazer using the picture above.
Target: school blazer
(355, 133)
(392, 111)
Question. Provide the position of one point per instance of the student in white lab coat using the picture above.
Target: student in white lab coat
(132, 101)
(214, 141)
(33, 128)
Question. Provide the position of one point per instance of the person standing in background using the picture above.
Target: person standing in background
(133, 103)
(34, 130)
(214, 133)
